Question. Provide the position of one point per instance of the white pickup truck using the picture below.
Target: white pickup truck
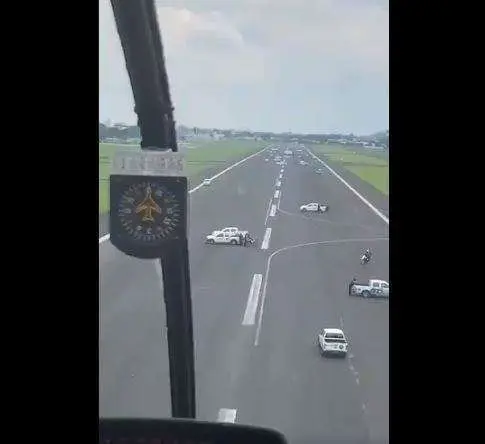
(314, 207)
(375, 288)
(222, 238)
(227, 231)
(228, 235)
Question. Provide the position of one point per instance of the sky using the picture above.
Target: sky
(311, 66)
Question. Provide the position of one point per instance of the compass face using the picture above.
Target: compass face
(149, 212)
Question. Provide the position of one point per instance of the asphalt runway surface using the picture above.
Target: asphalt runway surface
(257, 361)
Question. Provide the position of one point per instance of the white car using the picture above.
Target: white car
(228, 231)
(332, 341)
(206, 182)
(222, 238)
(314, 207)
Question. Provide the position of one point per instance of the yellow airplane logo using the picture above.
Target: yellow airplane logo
(148, 206)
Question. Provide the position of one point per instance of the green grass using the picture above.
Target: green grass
(202, 159)
(370, 166)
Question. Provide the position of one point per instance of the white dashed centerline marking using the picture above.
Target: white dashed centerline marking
(281, 176)
(267, 211)
(277, 194)
(227, 415)
(282, 170)
(278, 184)
(253, 298)
(273, 210)
(267, 236)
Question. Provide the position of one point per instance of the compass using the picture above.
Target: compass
(147, 213)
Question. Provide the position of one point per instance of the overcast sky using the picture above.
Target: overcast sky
(275, 65)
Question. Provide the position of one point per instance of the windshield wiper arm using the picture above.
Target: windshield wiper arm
(137, 26)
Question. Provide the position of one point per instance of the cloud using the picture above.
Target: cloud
(206, 50)
(228, 60)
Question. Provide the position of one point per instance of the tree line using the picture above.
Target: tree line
(126, 132)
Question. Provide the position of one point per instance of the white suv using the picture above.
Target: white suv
(333, 341)
(313, 207)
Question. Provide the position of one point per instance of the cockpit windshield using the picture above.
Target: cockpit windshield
(251, 80)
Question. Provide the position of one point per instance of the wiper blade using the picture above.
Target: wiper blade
(137, 26)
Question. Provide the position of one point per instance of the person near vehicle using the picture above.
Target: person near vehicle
(249, 239)
(352, 283)
(241, 238)
(245, 240)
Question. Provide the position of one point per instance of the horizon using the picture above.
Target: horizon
(249, 130)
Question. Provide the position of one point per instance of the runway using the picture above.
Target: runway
(256, 356)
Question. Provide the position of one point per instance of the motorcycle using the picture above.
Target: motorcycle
(251, 242)
(364, 259)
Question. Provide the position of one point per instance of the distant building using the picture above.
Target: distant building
(375, 147)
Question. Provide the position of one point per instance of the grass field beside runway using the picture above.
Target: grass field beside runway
(203, 158)
(371, 166)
